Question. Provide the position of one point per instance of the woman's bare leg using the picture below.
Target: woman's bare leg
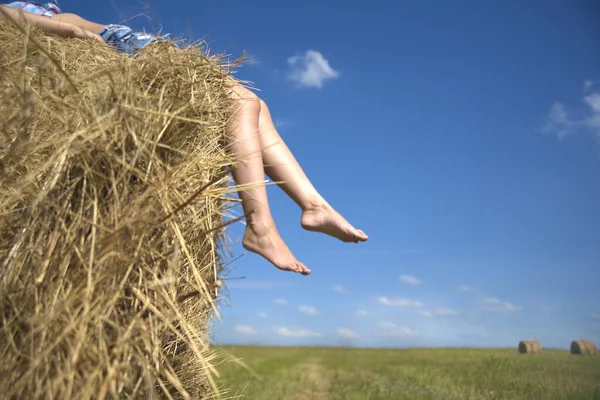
(281, 166)
(78, 21)
(261, 235)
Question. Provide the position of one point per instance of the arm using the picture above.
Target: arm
(56, 27)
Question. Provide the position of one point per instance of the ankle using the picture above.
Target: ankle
(259, 225)
(316, 203)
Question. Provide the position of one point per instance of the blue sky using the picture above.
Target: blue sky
(463, 137)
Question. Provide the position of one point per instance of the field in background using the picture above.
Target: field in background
(422, 374)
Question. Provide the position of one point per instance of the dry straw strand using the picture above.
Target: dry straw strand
(113, 189)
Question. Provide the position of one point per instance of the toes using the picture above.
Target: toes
(289, 268)
(296, 267)
(303, 270)
(361, 235)
(356, 235)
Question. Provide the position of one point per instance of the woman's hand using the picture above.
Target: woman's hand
(65, 29)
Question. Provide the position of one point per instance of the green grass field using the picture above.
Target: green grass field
(440, 374)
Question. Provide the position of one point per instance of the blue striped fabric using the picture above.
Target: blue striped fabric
(46, 9)
(125, 40)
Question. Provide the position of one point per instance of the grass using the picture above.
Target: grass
(378, 374)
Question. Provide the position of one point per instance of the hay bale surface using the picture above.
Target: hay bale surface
(530, 347)
(583, 347)
(112, 191)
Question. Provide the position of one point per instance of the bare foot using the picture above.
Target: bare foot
(323, 218)
(264, 240)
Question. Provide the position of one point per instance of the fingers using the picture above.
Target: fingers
(81, 33)
(97, 37)
(90, 35)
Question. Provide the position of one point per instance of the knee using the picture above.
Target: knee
(247, 99)
(239, 92)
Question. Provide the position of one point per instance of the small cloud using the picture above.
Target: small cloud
(255, 285)
(311, 69)
(440, 312)
(409, 280)
(492, 304)
(593, 101)
(465, 288)
(562, 124)
(287, 332)
(390, 329)
(558, 123)
(339, 289)
(281, 302)
(282, 124)
(402, 333)
(446, 312)
(595, 316)
(262, 315)
(245, 330)
(348, 334)
(387, 325)
(308, 310)
(360, 313)
(395, 302)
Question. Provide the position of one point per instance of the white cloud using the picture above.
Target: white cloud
(255, 285)
(465, 288)
(563, 123)
(281, 302)
(262, 315)
(311, 69)
(282, 124)
(361, 313)
(440, 312)
(387, 325)
(245, 330)
(446, 312)
(409, 280)
(283, 331)
(558, 122)
(339, 289)
(395, 302)
(390, 329)
(593, 101)
(348, 334)
(492, 304)
(587, 85)
(401, 333)
(595, 316)
(308, 310)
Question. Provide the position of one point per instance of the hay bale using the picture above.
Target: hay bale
(580, 347)
(112, 192)
(530, 347)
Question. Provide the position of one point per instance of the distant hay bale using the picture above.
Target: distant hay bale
(530, 347)
(586, 347)
(112, 190)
